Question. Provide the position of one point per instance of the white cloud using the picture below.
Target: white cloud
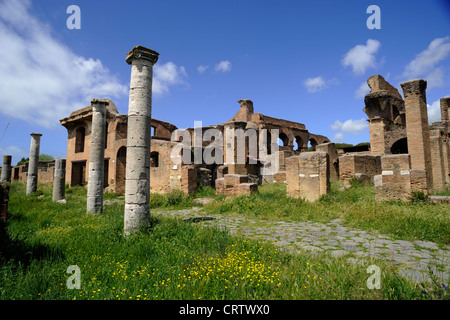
(362, 57)
(165, 75)
(318, 84)
(434, 111)
(202, 69)
(425, 64)
(362, 90)
(350, 126)
(43, 80)
(223, 66)
(338, 137)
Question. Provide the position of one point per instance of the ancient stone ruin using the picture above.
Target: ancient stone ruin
(122, 153)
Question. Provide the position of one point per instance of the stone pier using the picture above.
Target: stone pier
(97, 155)
(308, 175)
(6, 169)
(137, 183)
(59, 180)
(417, 130)
(32, 177)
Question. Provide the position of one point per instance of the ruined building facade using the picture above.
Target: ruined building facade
(406, 153)
(165, 174)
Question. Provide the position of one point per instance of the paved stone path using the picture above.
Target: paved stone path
(413, 258)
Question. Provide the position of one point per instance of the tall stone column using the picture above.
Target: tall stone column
(59, 180)
(97, 157)
(137, 175)
(417, 131)
(32, 176)
(6, 169)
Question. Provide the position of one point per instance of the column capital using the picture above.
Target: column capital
(140, 52)
(99, 101)
(417, 86)
(35, 134)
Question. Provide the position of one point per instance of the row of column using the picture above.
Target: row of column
(59, 178)
(137, 185)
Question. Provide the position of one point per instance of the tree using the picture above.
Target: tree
(42, 157)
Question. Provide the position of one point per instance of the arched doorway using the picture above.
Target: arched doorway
(312, 143)
(121, 165)
(400, 146)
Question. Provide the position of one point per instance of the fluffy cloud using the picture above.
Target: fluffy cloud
(42, 79)
(362, 90)
(318, 84)
(434, 111)
(223, 66)
(338, 137)
(362, 56)
(425, 64)
(350, 126)
(165, 75)
(202, 69)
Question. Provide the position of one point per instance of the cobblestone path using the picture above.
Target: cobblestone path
(414, 259)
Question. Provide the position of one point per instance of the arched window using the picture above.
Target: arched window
(312, 143)
(298, 143)
(400, 146)
(283, 140)
(80, 135)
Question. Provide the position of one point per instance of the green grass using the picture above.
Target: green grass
(174, 260)
(356, 206)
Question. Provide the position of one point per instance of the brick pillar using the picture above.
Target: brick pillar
(395, 178)
(437, 160)
(313, 177)
(6, 169)
(32, 176)
(417, 131)
(59, 180)
(376, 131)
(137, 183)
(445, 106)
(97, 157)
(292, 178)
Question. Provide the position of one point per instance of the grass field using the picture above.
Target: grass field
(179, 260)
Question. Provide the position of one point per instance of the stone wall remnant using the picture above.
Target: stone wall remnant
(308, 175)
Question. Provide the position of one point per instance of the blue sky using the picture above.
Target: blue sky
(305, 61)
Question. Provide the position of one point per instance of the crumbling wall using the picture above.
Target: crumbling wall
(308, 175)
(359, 166)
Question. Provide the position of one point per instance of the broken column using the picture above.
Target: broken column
(445, 120)
(32, 176)
(59, 180)
(437, 160)
(6, 169)
(97, 157)
(137, 183)
(417, 130)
